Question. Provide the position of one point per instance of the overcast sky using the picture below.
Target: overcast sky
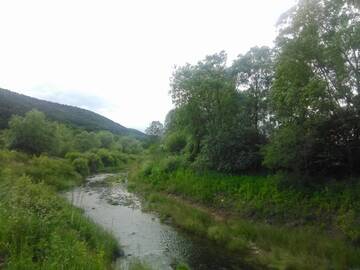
(116, 57)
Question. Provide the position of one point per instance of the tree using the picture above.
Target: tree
(155, 129)
(106, 138)
(214, 115)
(316, 88)
(32, 133)
(85, 141)
(254, 73)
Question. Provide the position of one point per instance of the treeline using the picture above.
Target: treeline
(12, 103)
(294, 107)
(88, 152)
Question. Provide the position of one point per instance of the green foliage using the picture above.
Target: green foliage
(260, 198)
(130, 145)
(106, 139)
(106, 157)
(182, 267)
(94, 161)
(349, 223)
(97, 160)
(15, 104)
(316, 89)
(86, 141)
(39, 230)
(57, 173)
(215, 115)
(32, 134)
(175, 142)
(81, 166)
(65, 139)
(297, 104)
(254, 75)
(171, 164)
(279, 247)
(155, 129)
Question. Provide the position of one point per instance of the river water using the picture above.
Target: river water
(141, 235)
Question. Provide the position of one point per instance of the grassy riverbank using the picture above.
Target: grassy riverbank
(261, 217)
(38, 228)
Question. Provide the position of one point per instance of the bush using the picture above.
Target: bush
(106, 138)
(349, 223)
(40, 230)
(32, 134)
(171, 164)
(58, 173)
(95, 163)
(106, 157)
(175, 142)
(130, 145)
(86, 141)
(73, 155)
(81, 166)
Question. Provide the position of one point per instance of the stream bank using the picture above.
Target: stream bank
(142, 235)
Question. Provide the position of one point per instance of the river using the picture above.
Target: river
(142, 236)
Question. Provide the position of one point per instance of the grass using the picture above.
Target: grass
(276, 225)
(140, 265)
(38, 228)
(270, 198)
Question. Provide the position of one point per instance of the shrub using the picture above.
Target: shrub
(94, 162)
(106, 157)
(349, 223)
(171, 164)
(86, 141)
(175, 142)
(130, 145)
(32, 134)
(40, 230)
(58, 173)
(81, 166)
(73, 155)
(146, 169)
(106, 138)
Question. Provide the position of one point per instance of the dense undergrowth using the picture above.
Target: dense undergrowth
(284, 226)
(38, 228)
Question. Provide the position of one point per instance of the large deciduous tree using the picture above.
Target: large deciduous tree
(215, 115)
(254, 74)
(316, 89)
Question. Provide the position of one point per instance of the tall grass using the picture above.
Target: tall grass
(261, 217)
(333, 206)
(38, 228)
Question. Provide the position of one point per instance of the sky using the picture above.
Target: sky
(115, 57)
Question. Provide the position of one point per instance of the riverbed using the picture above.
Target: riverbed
(142, 236)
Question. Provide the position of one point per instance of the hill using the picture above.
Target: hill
(13, 103)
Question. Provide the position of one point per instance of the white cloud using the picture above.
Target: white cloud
(122, 51)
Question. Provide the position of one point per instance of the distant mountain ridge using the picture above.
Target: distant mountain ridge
(13, 103)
